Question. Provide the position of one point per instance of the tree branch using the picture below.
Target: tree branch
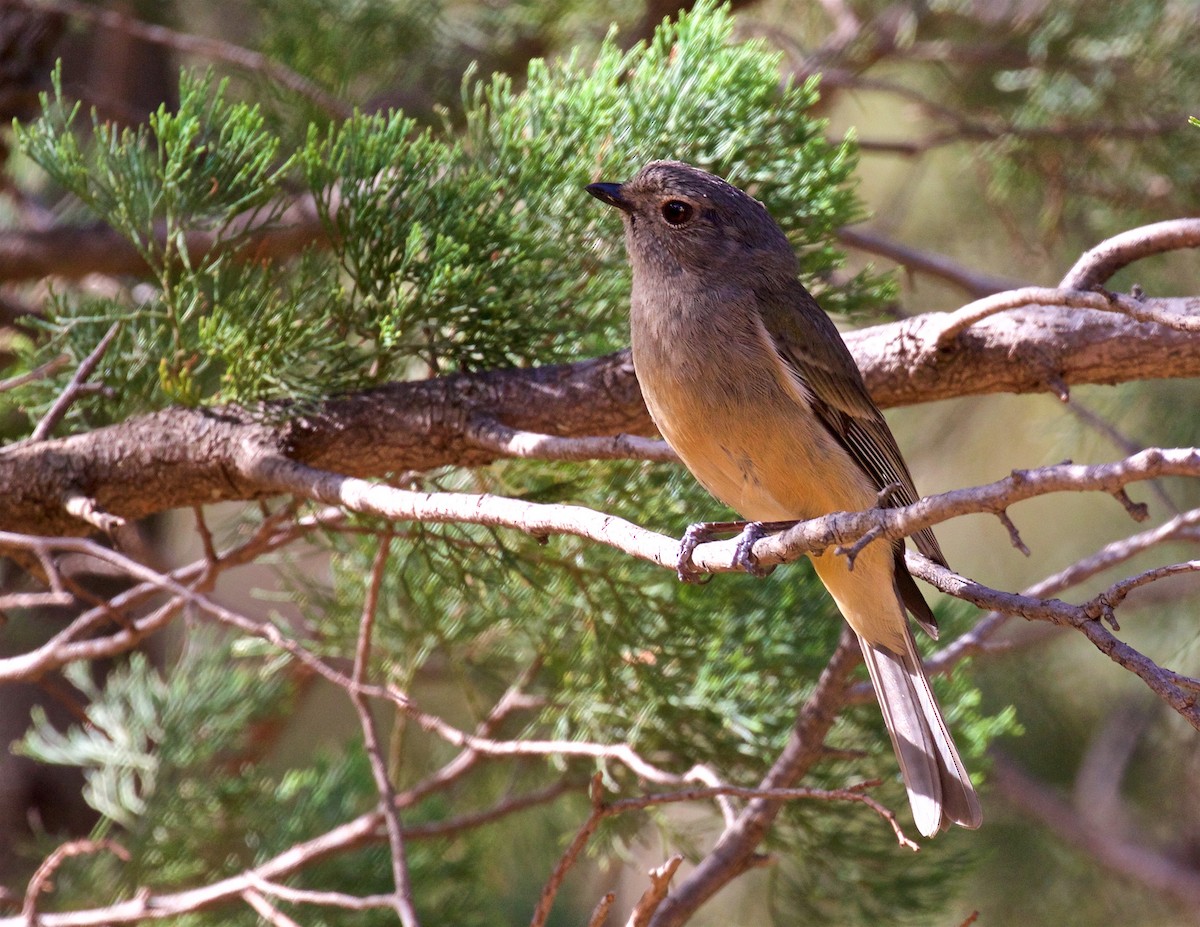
(914, 259)
(43, 428)
(1183, 527)
(76, 251)
(402, 898)
(1186, 317)
(652, 897)
(184, 457)
(1101, 262)
(362, 830)
(1181, 692)
(846, 530)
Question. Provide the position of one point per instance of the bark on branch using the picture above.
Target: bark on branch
(182, 457)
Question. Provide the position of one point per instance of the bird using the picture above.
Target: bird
(749, 381)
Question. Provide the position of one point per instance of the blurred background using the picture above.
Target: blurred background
(998, 140)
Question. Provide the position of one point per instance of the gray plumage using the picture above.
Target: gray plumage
(750, 382)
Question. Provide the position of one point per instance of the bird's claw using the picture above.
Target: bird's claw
(695, 535)
(743, 555)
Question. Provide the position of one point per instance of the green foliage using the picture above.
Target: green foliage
(210, 169)
(195, 169)
(152, 747)
(173, 762)
(1110, 83)
(449, 251)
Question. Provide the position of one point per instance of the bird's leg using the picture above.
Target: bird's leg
(750, 532)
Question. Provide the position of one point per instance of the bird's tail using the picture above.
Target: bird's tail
(939, 789)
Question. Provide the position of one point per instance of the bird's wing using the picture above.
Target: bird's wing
(835, 388)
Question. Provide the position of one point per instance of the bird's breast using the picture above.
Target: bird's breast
(723, 400)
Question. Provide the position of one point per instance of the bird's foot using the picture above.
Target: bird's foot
(696, 535)
(750, 532)
(743, 554)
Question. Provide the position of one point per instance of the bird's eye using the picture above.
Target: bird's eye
(676, 212)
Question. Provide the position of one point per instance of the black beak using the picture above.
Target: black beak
(609, 193)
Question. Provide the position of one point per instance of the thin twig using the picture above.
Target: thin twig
(267, 911)
(1115, 594)
(1014, 535)
(68, 645)
(340, 839)
(488, 433)
(955, 323)
(936, 265)
(1124, 444)
(68, 395)
(502, 809)
(1184, 527)
(468, 758)
(1176, 690)
(40, 372)
(19, 600)
(1101, 262)
(326, 899)
(45, 872)
(853, 794)
(1137, 510)
(600, 912)
(87, 509)
(550, 890)
(652, 897)
(403, 896)
(206, 538)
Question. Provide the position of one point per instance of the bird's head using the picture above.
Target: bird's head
(682, 220)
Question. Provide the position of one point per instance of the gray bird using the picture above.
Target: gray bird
(750, 382)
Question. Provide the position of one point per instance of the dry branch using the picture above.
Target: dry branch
(402, 896)
(846, 530)
(185, 457)
(1101, 262)
(652, 897)
(359, 832)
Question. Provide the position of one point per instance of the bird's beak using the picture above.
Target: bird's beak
(609, 193)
